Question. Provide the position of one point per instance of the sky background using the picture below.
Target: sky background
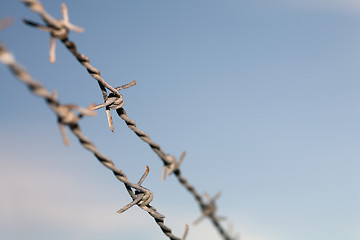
(263, 95)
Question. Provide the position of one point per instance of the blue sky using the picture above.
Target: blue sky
(263, 96)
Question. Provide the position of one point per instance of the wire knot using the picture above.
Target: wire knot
(67, 116)
(58, 28)
(115, 102)
(142, 198)
(209, 208)
(112, 102)
(171, 165)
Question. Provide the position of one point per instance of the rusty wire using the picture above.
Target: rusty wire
(60, 29)
(66, 115)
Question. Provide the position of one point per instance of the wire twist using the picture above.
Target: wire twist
(142, 196)
(172, 166)
(60, 29)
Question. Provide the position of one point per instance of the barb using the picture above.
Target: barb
(209, 208)
(60, 29)
(115, 101)
(172, 166)
(67, 117)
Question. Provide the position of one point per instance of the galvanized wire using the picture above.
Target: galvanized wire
(141, 196)
(60, 29)
(172, 166)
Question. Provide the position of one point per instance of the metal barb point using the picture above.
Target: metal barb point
(66, 22)
(185, 232)
(135, 201)
(133, 83)
(143, 197)
(67, 116)
(209, 209)
(113, 101)
(60, 29)
(171, 165)
(57, 28)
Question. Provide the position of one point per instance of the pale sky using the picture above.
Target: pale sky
(263, 95)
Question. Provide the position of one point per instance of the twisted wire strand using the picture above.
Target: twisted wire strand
(59, 30)
(66, 116)
(162, 155)
(167, 161)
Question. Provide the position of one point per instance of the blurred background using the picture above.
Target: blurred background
(262, 95)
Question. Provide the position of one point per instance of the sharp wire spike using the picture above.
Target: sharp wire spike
(52, 54)
(63, 134)
(142, 196)
(134, 202)
(144, 175)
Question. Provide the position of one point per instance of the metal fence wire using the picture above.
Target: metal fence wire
(70, 114)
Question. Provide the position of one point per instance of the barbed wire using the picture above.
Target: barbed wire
(66, 116)
(114, 100)
(171, 165)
